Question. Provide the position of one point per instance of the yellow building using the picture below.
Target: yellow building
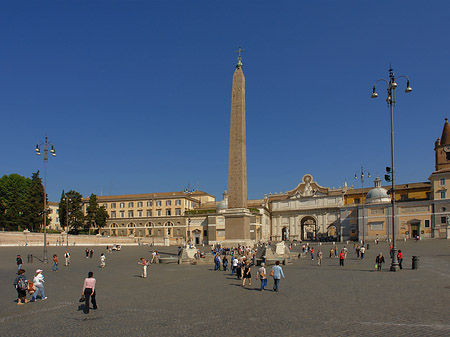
(161, 218)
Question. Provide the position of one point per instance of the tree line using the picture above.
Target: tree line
(22, 206)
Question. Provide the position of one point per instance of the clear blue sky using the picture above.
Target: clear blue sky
(136, 95)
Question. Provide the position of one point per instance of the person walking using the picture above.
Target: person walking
(234, 264)
(67, 258)
(225, 263)
(91, 253)
(87, 253)
(379, 261)
(341, 258)
(19, 262)
(400, 259)
(38, 281)
(55, 263)
(102, 260)
(247, 274)
(362, 252)
(89, 291)
(319, 258)
(21, 285)
(144, 263)
(312, 253)
(331, 252)
(277, 274)
(262, 276)
(154, 255)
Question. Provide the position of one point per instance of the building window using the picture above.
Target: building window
(158, 212)
(168, 213)
(177, 202)
(149, 204)
(168, 202)
(442, 181)
(149, 212)
(168, 232)
(130, 214)
(130, 204)
(113, 205)
(427, 223)
(178, 211)
(105, 205)
(122, 214)
(205, 232)
(443, 194)
(443, 219)
(122, 205)
(357, 201)
(377, 226)
(113, 214)
(140, 214)
(139, 204)
(158, 203)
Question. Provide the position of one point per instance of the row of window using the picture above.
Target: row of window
(158, 203)
(149, 213)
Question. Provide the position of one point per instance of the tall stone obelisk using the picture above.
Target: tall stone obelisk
(237, 217)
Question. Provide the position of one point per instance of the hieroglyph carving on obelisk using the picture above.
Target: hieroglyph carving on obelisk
(237, 162)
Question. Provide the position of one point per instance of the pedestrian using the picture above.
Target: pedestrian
(331, 252)
(91, 253)
(67, 258)
(277, 274)
(144, 263)
(345, 251)
(312, 253)
(391, 252)
(341, 258)
(89, 291)
(262, 276)
(55, 263)
(336, 251)
(217, 262)
(154, 257)
(362, 251)
(87, 253)
(38, 281)
(379, 261)
(319, 258)
(225, 263)
(400, 259)
(21, 285)
(239, 270)
(102, 260)
(358, 251)
(247, 274)
(234, 265)
(19, 262)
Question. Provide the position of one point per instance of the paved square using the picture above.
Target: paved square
(185, 300)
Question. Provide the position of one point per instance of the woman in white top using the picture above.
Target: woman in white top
(39, 284)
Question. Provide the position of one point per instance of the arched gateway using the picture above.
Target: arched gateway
(309, 228)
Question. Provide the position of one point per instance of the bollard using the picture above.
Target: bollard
(30, 258)
(415, 262)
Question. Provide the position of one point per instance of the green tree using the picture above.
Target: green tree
(74, 212)
(34, 204)
(95, 216)
(13, 197)
(62, 211)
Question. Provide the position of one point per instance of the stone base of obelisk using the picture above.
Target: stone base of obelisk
(237, 228)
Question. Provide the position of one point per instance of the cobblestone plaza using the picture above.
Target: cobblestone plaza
(187, 300)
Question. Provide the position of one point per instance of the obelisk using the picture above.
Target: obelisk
(237, 217)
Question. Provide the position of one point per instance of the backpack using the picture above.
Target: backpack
(22, 284)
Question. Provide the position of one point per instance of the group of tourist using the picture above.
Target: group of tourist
(241, 266)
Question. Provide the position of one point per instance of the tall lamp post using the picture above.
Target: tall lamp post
(46, 145)
(361, 177)
(390, 100)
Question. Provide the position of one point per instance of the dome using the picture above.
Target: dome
(223, 205)
(377, 194)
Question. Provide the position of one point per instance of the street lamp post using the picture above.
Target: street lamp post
(361, 177)
(390, 100)
(46, 145)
